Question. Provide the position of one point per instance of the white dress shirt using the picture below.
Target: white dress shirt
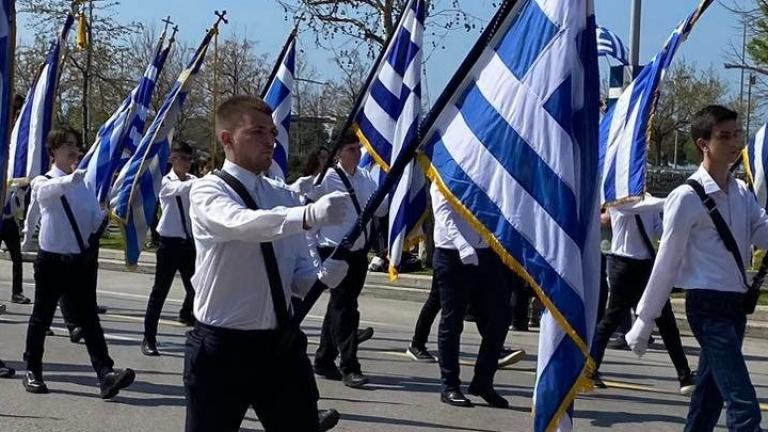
(626, 240)
(231, 285)
(452, 231)
(56, 232)
(32, 221)
(692, 254)
(171, 190)
(364, 186)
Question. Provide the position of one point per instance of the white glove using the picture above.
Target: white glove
(328, 210)
(468, 255)
(637, 337)
(26, 245)
(332, 272)
(303, 185)
(77, 176)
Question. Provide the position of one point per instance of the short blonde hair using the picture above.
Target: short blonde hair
(229, 112)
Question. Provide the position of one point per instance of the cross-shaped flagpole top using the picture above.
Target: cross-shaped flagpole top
(222, 16)
(167, 22)
(175, 30)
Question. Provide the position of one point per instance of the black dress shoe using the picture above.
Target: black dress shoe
(489, 395)
(115, 381)
(330, 372)
(149, 348)
(328, 419)
(355, 380)
(101, 310)
(6, 371)
(455, 398)
(33, 383)
(20, 299)
(76, 334)
(364, 334)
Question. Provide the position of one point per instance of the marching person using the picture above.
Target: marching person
(176, 251)
(709, 225)
(71, 221)
(629, 267)
(251, 257)
(467, 272)
(339, 335)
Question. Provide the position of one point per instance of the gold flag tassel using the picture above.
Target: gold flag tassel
(82, 31)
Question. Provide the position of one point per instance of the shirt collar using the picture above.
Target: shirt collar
(246, 177)
(56, 172)
(173, 176)
(709, 184)
(357, 169)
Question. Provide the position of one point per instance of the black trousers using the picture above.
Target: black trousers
(173, 254)
(227, 371)
(71, 277)
(628, 278)
(342, 318)
(484, 286)
(427, 316)
(9, 234)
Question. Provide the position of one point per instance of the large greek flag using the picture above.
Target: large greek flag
(119, 137)
(135, 193)
(387, 121)
(8, 46)
(513, 147)
(28, 156)
(279, 96)
(756, 165)
(608, 44)
(624, 128)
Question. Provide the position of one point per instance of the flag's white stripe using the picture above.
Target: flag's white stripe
(521, 210)
(759, 175)
(526, 115)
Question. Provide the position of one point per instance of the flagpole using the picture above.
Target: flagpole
(11, 59)
(359, 100)
(407, 154)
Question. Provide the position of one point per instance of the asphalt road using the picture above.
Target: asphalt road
(403, 396)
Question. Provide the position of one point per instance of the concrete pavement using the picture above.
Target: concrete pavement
(403, 395)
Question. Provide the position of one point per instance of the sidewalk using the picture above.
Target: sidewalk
(408, 287)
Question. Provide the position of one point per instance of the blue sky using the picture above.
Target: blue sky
(264, 21)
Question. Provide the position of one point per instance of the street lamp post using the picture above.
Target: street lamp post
(634, 32)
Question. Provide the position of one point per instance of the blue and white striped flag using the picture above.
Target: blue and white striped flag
(512, 144)
(135, 192)
(119, 137)
(624, 128)
(369, 164)
(28, 157)
(608, 44)
(755, 158)
(387, 122)
(278, 95)
(8, 46)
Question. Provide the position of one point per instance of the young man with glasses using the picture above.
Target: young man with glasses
(708, 223)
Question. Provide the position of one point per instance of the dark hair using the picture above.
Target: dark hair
(705, 120)
(182, 147)
(18, 103)
(349, 137)
(228, 113)
(57, 137)
(312, 164)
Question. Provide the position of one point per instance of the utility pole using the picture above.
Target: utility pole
(634, 32)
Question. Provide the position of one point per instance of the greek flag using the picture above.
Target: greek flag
(387, 122)
(608, 44)
(28, 156)
(119, 137)
(8, 44)
(512, 144)
(624, 128)
(278, 95)
(135, 193)
(756, 163)
(369, 164)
